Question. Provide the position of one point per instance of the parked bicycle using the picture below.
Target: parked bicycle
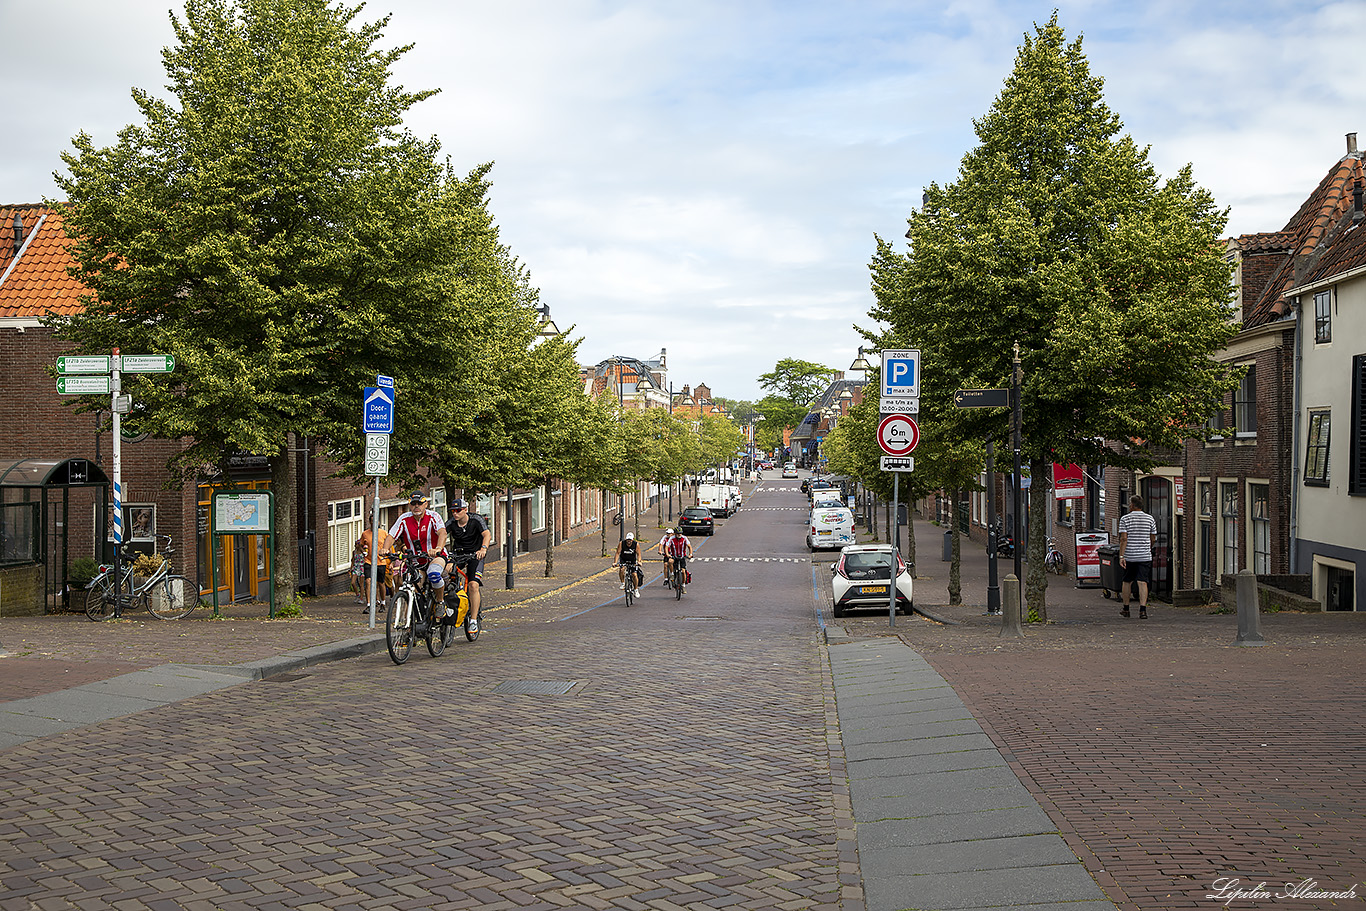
(1054, 561)
(163, 594)
(412, 613)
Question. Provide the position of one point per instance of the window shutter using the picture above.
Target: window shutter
(1356, 482)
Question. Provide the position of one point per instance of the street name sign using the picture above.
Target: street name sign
(898, 404)
(898, 463)
(147, 363)
(901, 374)
(982, 398)
(378, 409)
(898, 434)
(83, 385)
(68, 363)
(377, 454)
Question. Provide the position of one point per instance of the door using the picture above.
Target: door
(1157, 496)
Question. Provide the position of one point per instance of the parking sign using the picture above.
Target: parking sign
(901, 373)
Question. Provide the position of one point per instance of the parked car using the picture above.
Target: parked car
(697, 520)
(860, 576)
(830, 527)
(821, 485)
(790, 470)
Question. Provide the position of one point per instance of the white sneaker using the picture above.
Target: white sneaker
(623, 586)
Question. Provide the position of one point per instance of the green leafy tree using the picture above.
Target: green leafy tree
(1059, 235)
(264, 226)
(797, 381)
(780, 414)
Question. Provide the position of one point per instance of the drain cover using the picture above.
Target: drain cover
(535, 687)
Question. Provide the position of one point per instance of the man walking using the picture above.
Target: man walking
(1137, 538)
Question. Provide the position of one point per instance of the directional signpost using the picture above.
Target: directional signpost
(98, 374)
(982, 398)
(83, 385)
(377, 454)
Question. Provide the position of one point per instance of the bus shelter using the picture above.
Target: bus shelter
(52, 511)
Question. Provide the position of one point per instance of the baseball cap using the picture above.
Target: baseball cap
(418, 496)
(669, 532)
(460, 503)
(630, 536)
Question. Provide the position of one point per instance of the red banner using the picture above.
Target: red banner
(1068, 482)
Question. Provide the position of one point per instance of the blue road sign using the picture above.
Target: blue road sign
(385, 381)
(901, 373)
(378, 409)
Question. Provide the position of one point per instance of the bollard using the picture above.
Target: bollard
(1010, 622)
(1249, 612)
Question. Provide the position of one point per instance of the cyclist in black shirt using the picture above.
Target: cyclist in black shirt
(628, 558)
(466, 534)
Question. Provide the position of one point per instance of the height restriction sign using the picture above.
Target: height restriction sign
(898, 434)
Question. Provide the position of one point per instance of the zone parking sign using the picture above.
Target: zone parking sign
(901, 373)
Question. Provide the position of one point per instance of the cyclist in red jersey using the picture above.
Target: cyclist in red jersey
(673, 545)
(420, 532)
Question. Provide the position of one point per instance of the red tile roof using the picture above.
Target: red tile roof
(1308, 234)
(38, 282)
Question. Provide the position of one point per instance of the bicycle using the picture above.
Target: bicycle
(410, 612)
(1054, 561)
(634, 579)
(679, 576)
(165, 595)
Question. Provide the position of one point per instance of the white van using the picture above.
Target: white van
(716, 497)
(830, 527)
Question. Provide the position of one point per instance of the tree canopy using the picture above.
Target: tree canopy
(1058, 235)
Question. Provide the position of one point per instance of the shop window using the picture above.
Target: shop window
(1316, 453)
(345, 522)
(1228, 516)
(1259, 512)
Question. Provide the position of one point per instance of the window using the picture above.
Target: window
(1316, 454)
(1245, 404)
(438, 506)
(1065, 511)
(1205, 544)
(1259, 511)
(1228, 514)
(538, 509)
(1356, 480)
(345, 522)
(1323, 317)
(1215, 426)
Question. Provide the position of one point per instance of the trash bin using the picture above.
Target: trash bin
(948, 547)
(1111, 576)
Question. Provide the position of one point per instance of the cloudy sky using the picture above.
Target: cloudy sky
(707, 176)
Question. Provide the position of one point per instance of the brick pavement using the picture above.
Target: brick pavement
(689, 766)
(1168, 756)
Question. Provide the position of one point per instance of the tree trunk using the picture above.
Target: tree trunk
(887, 514)
(283, 576)
(602, 522)
(955, 565)
(549, 531)
(1036, 580)
(635, 508)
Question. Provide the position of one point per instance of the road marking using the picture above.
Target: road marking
(750, 559)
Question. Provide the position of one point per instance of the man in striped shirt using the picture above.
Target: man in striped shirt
(1137, 537)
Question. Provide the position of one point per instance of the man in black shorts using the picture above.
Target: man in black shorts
(467, 534)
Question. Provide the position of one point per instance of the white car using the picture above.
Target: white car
(860, 576)
(790, 470)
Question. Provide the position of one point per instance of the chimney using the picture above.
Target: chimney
(18, 232)
(1351, 143)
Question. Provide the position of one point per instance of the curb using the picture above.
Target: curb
(295, 660)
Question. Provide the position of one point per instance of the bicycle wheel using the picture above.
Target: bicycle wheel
(630, 586)
(171, 598)
(678, 583)
(436, 632)
(398, 626)
(99, 604)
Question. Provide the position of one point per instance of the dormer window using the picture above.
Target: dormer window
(1323, 317)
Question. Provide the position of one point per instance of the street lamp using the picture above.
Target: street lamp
(861, 364)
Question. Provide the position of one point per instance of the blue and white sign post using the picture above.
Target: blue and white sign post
(901, 374)
(377, 419)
